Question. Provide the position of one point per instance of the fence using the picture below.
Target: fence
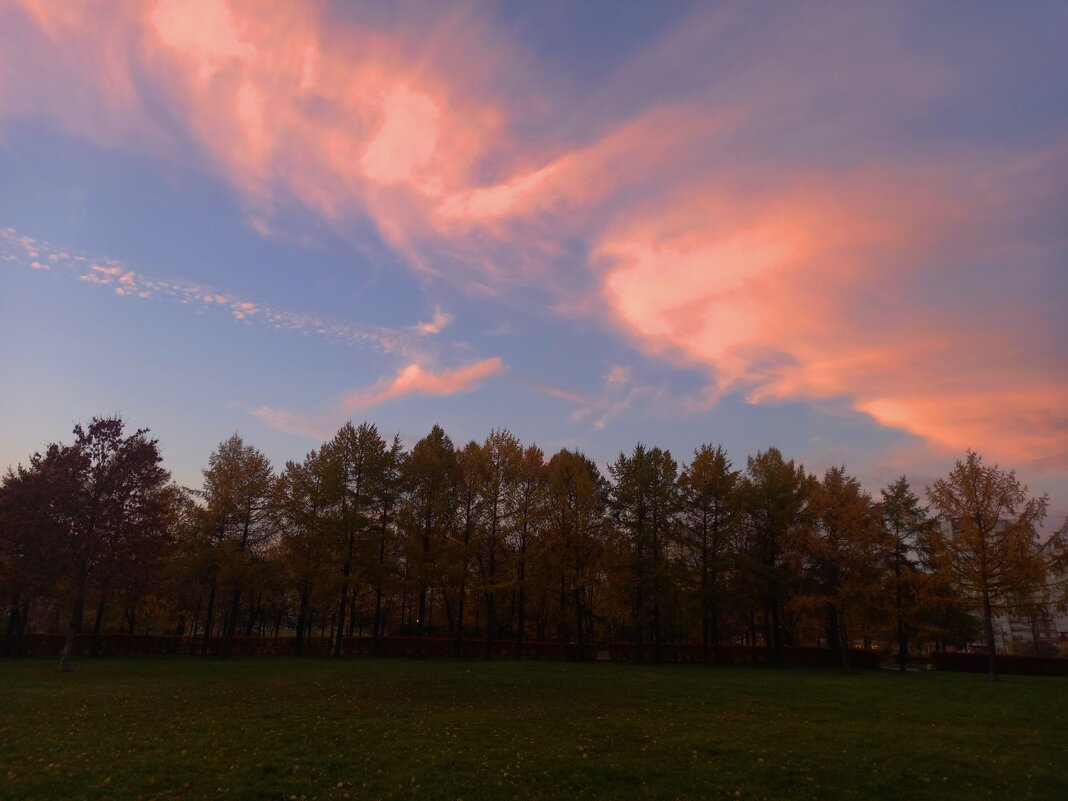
(470, 648)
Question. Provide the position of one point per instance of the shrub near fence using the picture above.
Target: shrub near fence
(1007, 663)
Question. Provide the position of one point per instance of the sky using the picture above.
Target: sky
(840, 229)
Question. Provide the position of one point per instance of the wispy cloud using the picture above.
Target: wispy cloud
(436, 324)
(619, 395)
(18, 249)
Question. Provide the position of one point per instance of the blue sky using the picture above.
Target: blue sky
(833, 229)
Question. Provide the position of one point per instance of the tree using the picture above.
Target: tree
(358, 454)
(709, 506)
(100, 487)
(306, 504)
(645, 500)
(387, 494)
(503, 459)
(472, 468)
(904, 522)
(238, 489)
(430, 477)
(773, 496)
(30, 535)
(988, 537)
(845, 550)
(574, 506)
(529, 511)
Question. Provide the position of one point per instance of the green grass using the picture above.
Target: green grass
(278, 728)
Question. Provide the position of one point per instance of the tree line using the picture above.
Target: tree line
(495, 540)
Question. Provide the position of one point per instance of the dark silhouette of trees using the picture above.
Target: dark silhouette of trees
(495, 542)
(30, 560)
(89, 507)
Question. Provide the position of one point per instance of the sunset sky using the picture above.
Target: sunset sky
(836, 228)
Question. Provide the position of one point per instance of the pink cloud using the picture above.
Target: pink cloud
(436, 324)
(820, 291)
(292, 422)
(345, 118)
(412, 379)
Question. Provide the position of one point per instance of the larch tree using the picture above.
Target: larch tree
(430, 479)
(645, 502)
(709, 514)
(238, 490)
(773, 496)
(529, 523)
(845, 550)
(503, 455)
(306, 505)
(989, 537)
(358, 454)
(574, 511)
(472, 469)
(904, 522)
(387, 491)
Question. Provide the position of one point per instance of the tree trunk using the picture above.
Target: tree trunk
(376, 629)
(230, 628)
(253, 613)
(94, 647)
(656, 631)
(988, 630)
(491, 598)
(302, 617)
(843, 638)
(196, 618)
(208, 615)
(580, 623)
(522, 604)
(902, 635)
(11, 636)
(458, 645)
(346, 570)
(75, 621)
(561, 626)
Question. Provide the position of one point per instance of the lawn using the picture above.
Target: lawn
(281, 728)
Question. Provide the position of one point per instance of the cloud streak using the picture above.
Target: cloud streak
(21, 250)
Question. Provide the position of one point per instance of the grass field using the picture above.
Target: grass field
(363, 729)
